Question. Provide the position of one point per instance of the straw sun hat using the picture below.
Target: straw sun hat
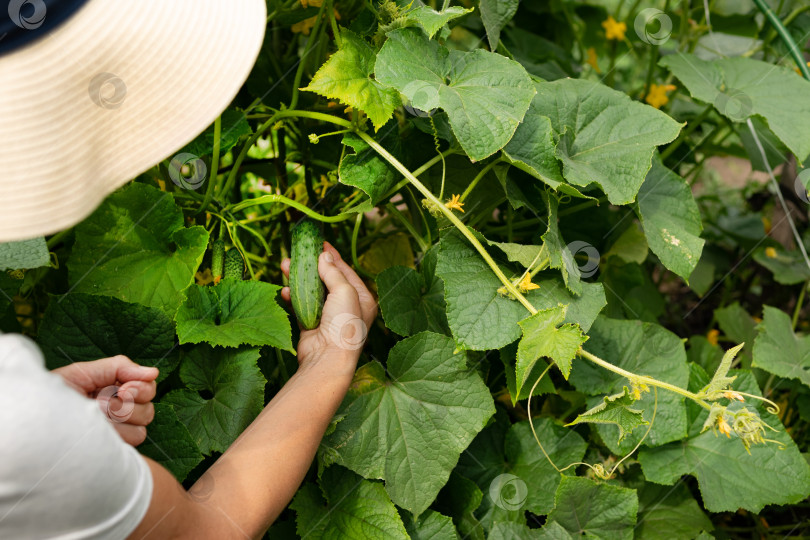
(94, 92)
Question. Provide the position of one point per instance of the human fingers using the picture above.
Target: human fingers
(285, 293)
(141, 391)
(142, 414)
(342, 322)
(285, 267)
(98, 374)
(133, 435)
(368, 304)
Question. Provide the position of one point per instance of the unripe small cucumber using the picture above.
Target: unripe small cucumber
(306, 287)
(234, 265)
(217, 260)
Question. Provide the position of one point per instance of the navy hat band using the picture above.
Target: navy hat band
(25, 21)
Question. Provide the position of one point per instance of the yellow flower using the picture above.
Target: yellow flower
(613, 29)
(711, 336)
(770, 252)
(766, 223)
(657, 95)
(731, 394)
(797, 70)
(455, 204)
(304, 27)
(723, 426)
(592, 60)
(526, 284)
(204, 277)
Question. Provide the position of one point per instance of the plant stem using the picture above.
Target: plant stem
(299, 72)
(787, 39)
(799, 303)
(423, 247)
(449, 215)
(212, 177)
(355, 233)
(478, 178)
(264, 199)
(642, 378)
(333, 21)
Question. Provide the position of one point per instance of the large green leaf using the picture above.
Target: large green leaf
(586, 508)
(480, 317)
(604, 137)
(365, 169)
(646, 349)
(134, 247)
(353, 509)
(729, 477)
(671, 219)
(430, 525)
(459, 498)
(170, 443)
(778, 350)
(495, 14)
(741, 87)
(80, 327)
(24, 254)
(233, 388)
(505, 530)
(234, 313)
(788, 266)
(669, 513)
(616, 410)
(347, 76)
(545, 335)
(411, 301)
(484, 94)
(508, 356)
(533, 149)
(512, 471)
(409, 427)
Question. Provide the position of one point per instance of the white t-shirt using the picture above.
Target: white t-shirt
(64, 471)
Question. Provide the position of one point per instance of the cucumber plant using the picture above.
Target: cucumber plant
(572, 336)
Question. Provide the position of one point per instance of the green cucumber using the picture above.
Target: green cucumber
(306, 287)
(234, 265)
(217, 259)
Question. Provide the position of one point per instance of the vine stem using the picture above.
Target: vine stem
(642, 378)
(212, 177)
(799, 303)
(264, 199)
(450, 216)
(478, 178)
(787, 39)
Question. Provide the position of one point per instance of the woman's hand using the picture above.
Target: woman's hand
(347, 314)
(123, 389)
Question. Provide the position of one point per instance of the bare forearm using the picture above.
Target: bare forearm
(256, 478)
